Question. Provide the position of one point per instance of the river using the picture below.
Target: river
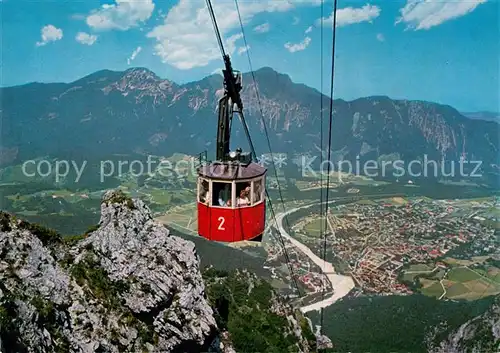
(341, 285)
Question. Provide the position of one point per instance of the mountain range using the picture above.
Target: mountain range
(135, 111)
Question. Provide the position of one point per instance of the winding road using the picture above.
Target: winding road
(341, 285)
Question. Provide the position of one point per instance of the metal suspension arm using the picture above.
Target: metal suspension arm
(232, 88)
(232, 84)
(224, 128)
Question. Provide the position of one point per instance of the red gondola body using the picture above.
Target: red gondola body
(231, 223)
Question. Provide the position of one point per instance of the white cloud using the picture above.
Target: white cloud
(380, 37)
(350, 15)
(309, 29)
(231, 41)
(263, 28)
(123, 15)
(85, 38)
(418, 14)
(244, 49)
(186, 39)
(292, 48)
(50, 33)
(134, 54)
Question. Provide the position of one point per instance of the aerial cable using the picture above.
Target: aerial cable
(247, 133)
(270, 150)
(217, 33)
(334, 31)
(322, 227)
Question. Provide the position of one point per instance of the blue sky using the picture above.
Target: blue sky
(442, 51)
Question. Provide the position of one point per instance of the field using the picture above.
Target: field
(492, 273)
(394, 201)
(314, 227)
(183, 216)
(462, 274)
(415, 270)
(431, 288)
(304, 185)
(366, 202)
(365, 181)
(462, 283)
(399, 201)
(439, 275)
(420, 268)
(458, 262)
(455, 289)
(459, 281)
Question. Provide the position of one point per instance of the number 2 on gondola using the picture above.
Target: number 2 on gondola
(221, 220)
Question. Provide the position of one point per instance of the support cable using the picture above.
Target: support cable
(334, 31)
(322, 226)
(217, 33)
(292, 275)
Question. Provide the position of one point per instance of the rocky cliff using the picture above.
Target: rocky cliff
(129, 285)
(479, 335)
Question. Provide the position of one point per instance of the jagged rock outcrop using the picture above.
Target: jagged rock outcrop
(323, 342)
(129, 286)
(479, 335)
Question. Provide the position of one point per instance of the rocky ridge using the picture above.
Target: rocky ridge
(130, 285)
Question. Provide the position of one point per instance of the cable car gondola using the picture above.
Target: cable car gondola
(231, 190)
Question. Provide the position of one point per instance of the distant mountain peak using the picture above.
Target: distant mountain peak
(99, 76)
(140, 73)
(267, 72)
(143, 82)
(108, 76)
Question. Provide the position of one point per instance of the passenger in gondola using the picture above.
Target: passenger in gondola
(225, 196)
(243, 200)
(204, 194)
